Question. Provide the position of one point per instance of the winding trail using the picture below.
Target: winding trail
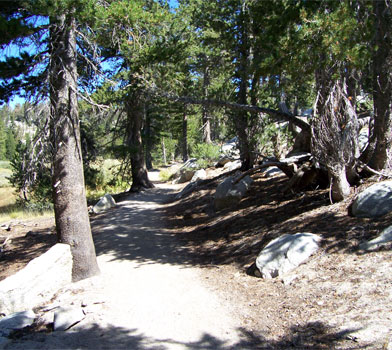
(148, 295)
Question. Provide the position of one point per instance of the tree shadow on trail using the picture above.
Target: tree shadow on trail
(316, 336)
(134, 230)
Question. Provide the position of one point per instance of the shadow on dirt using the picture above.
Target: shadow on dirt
(134, 230)
(197, 235)
(316, 336)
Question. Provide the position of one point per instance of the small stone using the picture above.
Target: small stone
(65, 318)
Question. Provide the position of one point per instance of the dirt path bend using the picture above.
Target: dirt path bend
(148, 296)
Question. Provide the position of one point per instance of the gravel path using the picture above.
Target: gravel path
(148, 296)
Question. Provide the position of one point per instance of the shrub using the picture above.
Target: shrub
(206, 151)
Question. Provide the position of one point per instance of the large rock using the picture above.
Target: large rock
(186, 172)
(16, 321)
(375, 201)
(67, 317)
(185, 176)
(231, 146)
(222, 161)
(296, 157)
(385, 238)
(199, 175)
(230, 166)
(229, 194)
(38, 281)
(286, 253)
(273, 171)
(187, 189)
(105, 203)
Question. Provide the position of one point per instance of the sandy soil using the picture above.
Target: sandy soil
(147, 297)
(178, 275)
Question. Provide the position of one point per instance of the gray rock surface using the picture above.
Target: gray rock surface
(231, 146)
(66, 317)
(16, 321)
(272, 171)
(383, 239)
(230, 166)
(222, 161)
(38, 281)
(4, 341)
(285, 253)
(228, 193)
(105, 203)
(296, 157)
(187, 189)
(199, 175)
(375, 201)
(185, 176)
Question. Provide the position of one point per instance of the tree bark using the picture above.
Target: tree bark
(206, 118)
(382, 85)
(163, 151)
(135, 116)
(340, 187)
(184, 143)
(148, 138)
(70, 206)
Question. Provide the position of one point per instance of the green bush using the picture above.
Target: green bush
(274, 140)
(205, 151)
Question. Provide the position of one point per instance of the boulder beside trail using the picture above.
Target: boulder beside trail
(67, 317)
(200, 174)
(105, 203)
(38, 281)
(229, 193)
(385, 238)
(286, 253)
(230, 166)
(375, 201)
(186, 172)
(16, 321)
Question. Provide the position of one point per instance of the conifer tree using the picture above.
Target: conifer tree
(24, 74)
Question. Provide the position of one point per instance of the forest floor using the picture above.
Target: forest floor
(339, 299)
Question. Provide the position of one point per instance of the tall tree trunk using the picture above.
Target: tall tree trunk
(184, 143)
(148, 138)
(382, 85)
(335, 131)
(241, 118)
(135, 116)
(340, 187)
(72, 221)
(206, 119)
(164, 151)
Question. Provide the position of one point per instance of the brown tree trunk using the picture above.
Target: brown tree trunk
(135, 116)
(148, 138)
(340, 187)
(382, 85)
(206, 119)
(184, 143)
(335, 132)
(72, 221)
(164, 151)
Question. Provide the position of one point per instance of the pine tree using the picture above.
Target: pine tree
(3, 140)
(10, 144)
(58, 54)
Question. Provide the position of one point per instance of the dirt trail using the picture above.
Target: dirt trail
(148, 296)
